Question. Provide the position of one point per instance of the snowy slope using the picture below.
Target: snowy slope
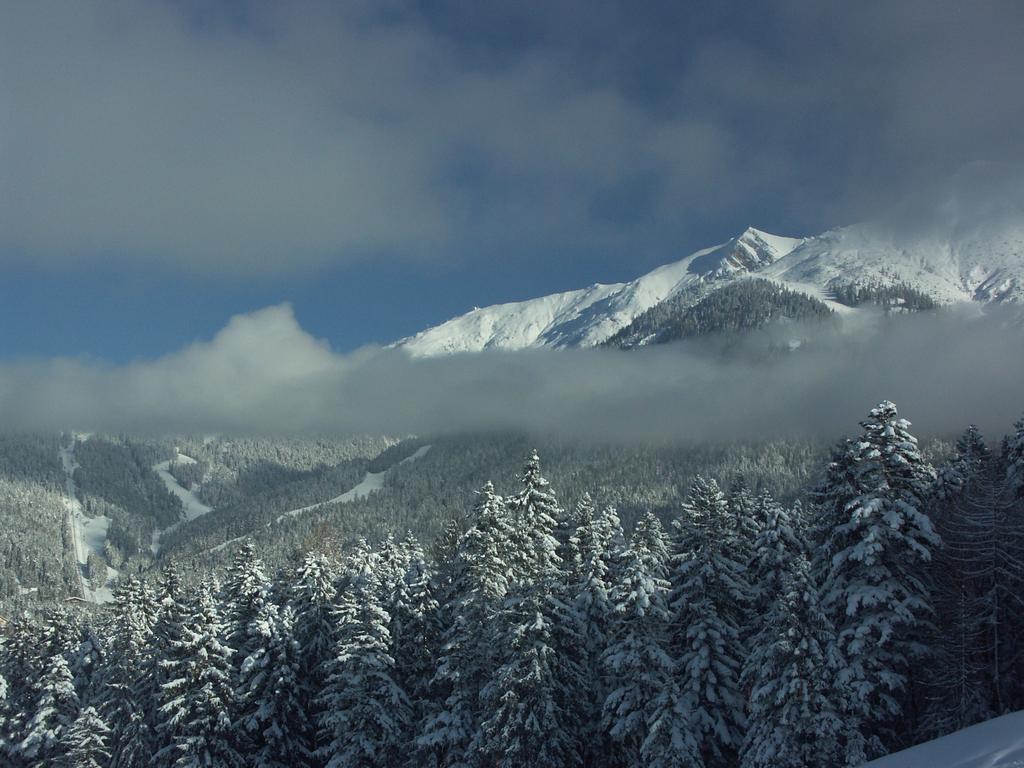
(190, 501)
(985, 265)
(588, 316)
(88, 534)
(997, 743)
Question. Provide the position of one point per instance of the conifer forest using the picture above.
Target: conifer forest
(875, 607)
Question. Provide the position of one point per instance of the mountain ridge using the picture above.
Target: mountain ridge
(982, 266)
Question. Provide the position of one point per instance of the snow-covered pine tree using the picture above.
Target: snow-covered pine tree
(478, 581)
(795, 708)
(271, 713)
(828, 500)
(415, 630)
(172, 613)
(312, 596)
(197, 698)
(60, 632)
(529, 707)
(246, 590)
(656, 547)
(127, 692)
(776, 543)
(364, 714)
(745, 510)
(638, 669)
(85, 743)
(582, 514)
(671, 740)
(598, 544)
(56, 707)
(443, 550)
(86, 665)
(392, 561)
(536, 512)
(876, 587)
(709, 600)
(21, 664)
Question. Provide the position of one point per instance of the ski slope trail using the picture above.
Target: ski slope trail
(371, 483)
(997, 743)
(88, 534)
(194, 508)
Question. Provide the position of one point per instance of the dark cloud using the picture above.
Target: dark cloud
(264, 374)
(238, 135)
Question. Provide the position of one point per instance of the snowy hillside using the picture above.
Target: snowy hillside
(589, 316)
(998, 743)
(979, 266)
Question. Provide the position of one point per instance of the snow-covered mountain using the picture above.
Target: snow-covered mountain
(981, 266)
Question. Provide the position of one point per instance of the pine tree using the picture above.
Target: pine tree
(528, 711)
(415, 628)
(598, 544)
(55, 710)
(529, 708)
(85, 742)
(312, 596)
(197, 698)
(637, 665)
(536, 512)
(656, 546)
(478, 582)
(127, 689)
(363, 712)
(582, 514)
(86, 665)
(60, 632)
(746, 511)
(271, 712)
(170, 619)
(795, 707)
(709, 599)
(776, 544)
(876, 588)
(22, 664)
(671, 740)
(245, 593)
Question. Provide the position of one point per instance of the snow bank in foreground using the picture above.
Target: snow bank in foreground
(998, 743)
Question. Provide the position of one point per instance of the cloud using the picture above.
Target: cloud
(254, 136)
(264, 374)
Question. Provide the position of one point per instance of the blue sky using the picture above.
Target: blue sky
(385, 165)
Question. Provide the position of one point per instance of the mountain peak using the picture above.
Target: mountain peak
(751, 251)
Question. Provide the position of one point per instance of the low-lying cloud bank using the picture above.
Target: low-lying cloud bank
(264, 374)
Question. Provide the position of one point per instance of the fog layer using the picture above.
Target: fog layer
(264, 374)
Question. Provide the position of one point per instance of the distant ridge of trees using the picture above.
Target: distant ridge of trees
(740, 306)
